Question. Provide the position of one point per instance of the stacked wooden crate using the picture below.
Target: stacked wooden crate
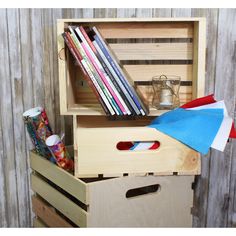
(154, 186)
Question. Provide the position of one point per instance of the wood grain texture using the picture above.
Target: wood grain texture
(212, 200)
(3, 212)
(9, 171)
(97, 152)
(153, 51)
(63, 179)
(47, 56)
(202, 181)
(145, 30)
(157, 209)
(221, 163)
(18, 109)
(38, 223)
(37, 56)
(48, 214)
(55, 198)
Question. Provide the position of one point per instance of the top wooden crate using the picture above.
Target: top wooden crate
(145, 47)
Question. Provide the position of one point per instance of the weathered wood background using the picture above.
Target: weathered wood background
(28, 78)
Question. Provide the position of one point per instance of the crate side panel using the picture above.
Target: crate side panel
(157, 209)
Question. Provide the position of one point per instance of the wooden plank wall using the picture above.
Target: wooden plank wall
(29, 77)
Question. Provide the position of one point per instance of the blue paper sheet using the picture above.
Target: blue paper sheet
(195, 128)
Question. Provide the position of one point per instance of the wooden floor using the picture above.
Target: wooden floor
(29, 77)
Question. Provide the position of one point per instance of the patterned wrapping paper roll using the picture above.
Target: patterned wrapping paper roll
(39, 129)
(59, 152)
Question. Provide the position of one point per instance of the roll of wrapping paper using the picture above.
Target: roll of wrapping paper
(39, 129)
(60, 153)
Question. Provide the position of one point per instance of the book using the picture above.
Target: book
(120, 102)
(108, 69)
(87, 75)
(116, 67)
(94, 72)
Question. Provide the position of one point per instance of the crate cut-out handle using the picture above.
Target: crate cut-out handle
(137, 145)
(150, 189)
(62, 55)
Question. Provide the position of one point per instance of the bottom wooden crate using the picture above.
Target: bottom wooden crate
(152, 201)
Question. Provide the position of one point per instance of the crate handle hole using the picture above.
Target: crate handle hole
(150, 189)
(62, 55)
(137, 145)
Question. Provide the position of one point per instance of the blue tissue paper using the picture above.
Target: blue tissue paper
(195, 128)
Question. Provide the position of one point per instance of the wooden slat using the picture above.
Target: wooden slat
(18, 109)
(59, 124)
(9, 202)
(153, 51)
(37, 56)
(202, 182)
(146, 72)
(100, 155)
(130, 20)
(222, 163)
(146, 30)
(47, 55)
(27, 92)
(76, 187)
(48, 214)
(38, 223)
(62, 69)
(199, 59)
(3, 222)
(59, 201)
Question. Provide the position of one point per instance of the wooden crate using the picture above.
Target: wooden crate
(96, 153)
(145, 47)
(61, 200)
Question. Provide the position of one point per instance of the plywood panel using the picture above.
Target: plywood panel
(148, 210)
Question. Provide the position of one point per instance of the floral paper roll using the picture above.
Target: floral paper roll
(39, 129)
(60, 153)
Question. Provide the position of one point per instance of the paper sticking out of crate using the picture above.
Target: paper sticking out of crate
(200, 124)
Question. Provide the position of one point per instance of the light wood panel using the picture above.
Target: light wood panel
(97, 152)
(55, 198)
(146, 30)
(153, 51)
(158, 209)
(146, 72)
(61, 178)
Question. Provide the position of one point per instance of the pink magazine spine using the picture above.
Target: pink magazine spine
(104, 79)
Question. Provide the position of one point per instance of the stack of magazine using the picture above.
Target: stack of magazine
(102, 72)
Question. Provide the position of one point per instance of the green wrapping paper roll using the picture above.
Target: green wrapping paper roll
(38, 129)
